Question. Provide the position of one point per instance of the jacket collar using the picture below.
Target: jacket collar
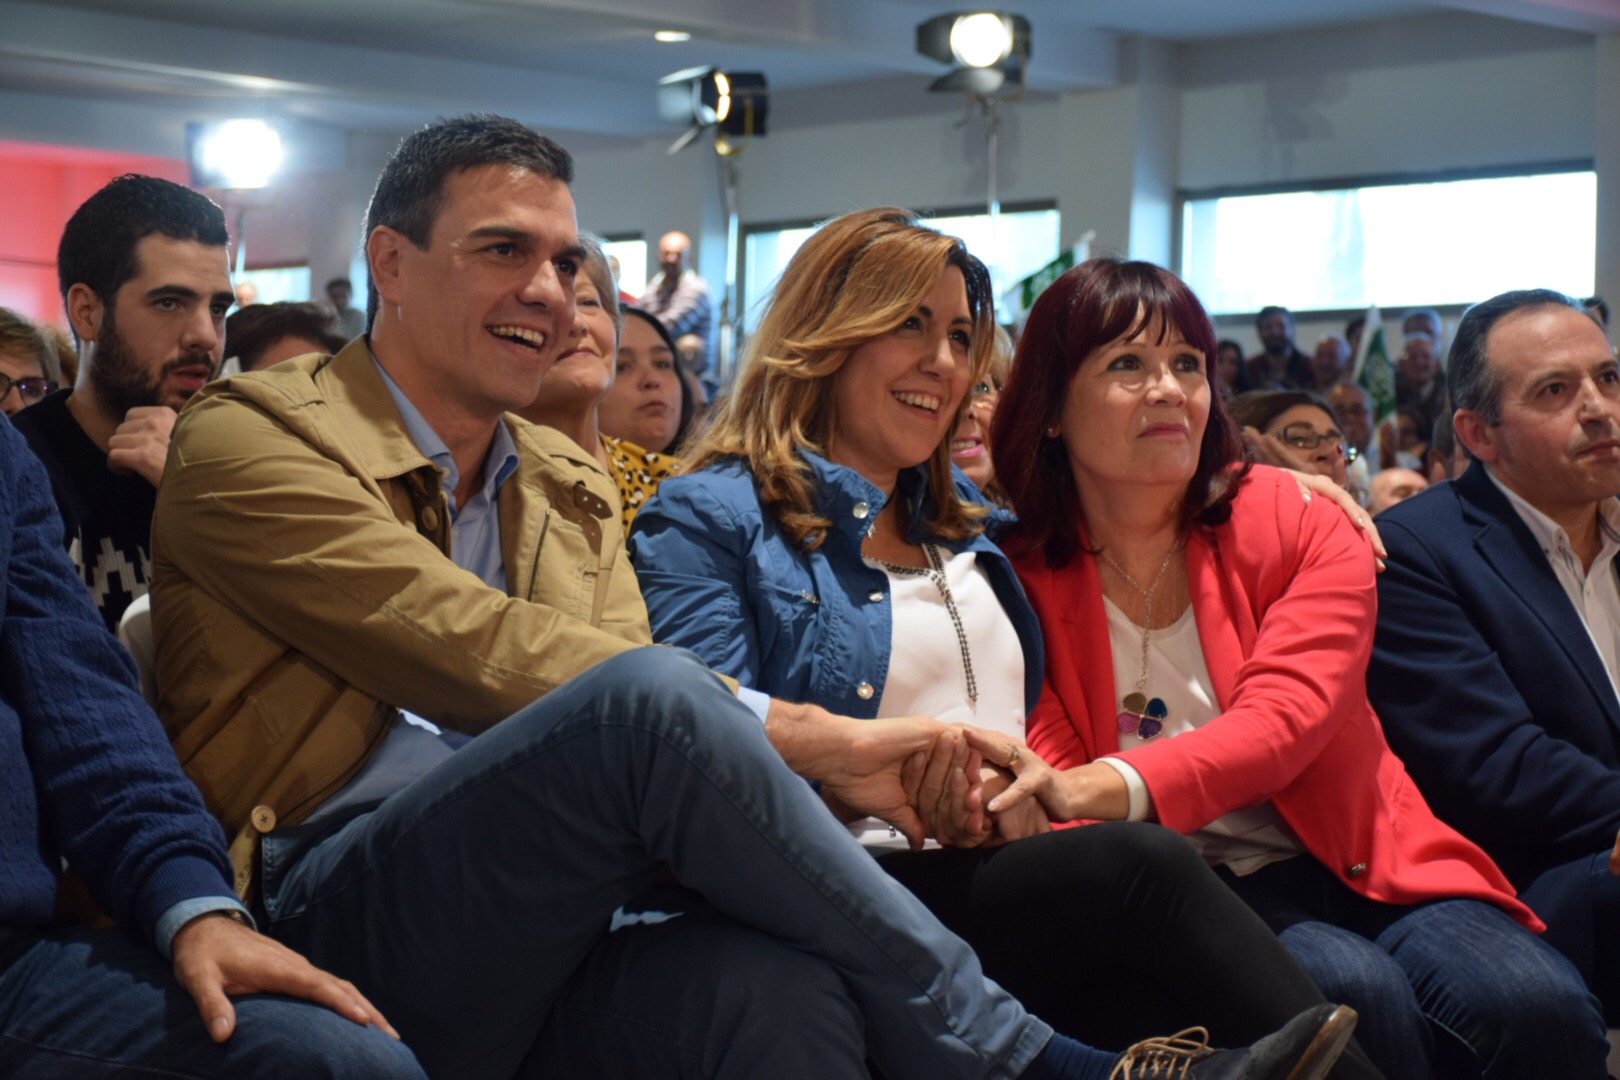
(1509, 547)
(354, 388)
(852, 502)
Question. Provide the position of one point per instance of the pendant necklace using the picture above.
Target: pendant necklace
(935, 572)
(1141, 715)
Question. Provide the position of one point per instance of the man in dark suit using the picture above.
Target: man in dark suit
(1498, 645)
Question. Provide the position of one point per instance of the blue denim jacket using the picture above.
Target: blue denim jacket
(721, 578)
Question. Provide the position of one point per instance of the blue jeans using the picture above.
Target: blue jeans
(1449, 988)
(469, 905)
(1580, 903)
(98, 1003)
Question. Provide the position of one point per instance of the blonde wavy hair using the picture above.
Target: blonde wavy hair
(857, 278)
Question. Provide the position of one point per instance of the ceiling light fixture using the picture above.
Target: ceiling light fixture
(233, 154)
(669, 36)
(988, 50)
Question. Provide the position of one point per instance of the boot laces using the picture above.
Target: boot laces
(1166, 1058)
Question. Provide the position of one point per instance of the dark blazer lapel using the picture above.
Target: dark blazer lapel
(1507, 545)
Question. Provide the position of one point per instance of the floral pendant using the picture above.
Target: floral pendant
(1142, 717)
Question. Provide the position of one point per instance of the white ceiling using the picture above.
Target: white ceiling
(590, 65)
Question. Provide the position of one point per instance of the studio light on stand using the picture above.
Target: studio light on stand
(238, 160)
(989, 53)
(735, 104)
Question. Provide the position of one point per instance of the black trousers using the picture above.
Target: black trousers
(1116, 932)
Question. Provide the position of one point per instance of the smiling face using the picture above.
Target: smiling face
(970, 442)
(644, 404)
(584, 372)
(896, 396)
(1558, 444)
(1134, 414)
(469, 324)
(162, 337)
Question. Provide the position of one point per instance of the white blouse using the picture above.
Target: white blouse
(1243, 840)
(927, 675)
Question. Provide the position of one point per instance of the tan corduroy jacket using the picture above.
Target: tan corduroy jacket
(302, 588)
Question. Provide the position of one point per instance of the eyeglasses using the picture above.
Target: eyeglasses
(1304, 437)
(985, 392)
(30, 388)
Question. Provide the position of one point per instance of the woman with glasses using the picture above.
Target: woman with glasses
(1295, 430)
(1207, 641)
(27, 362)
(819, 549)
(970, 442)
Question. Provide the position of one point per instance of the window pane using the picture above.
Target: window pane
(1395, 245)
(1017, 244)
(632, 256)
(277, 283)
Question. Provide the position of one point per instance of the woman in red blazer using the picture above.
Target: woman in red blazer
(1207, 637)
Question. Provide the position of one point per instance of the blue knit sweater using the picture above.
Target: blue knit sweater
(86, 772)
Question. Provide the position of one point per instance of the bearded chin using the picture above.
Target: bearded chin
(122, 382)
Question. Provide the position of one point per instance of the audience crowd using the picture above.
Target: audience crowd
(930, 698)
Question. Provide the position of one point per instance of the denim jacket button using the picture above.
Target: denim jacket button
(875, 595)
(864, 691)
(860, 510)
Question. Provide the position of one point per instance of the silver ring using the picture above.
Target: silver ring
(1012, 755)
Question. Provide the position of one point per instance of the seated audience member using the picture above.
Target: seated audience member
(27, 361)
(351, 320)
(574, 386)
(1447, 458)
(1425, 321)
(86, 775)
(246, 293)
(1330, 364)
(1498, 645)
(970, 442)
(264, 335)
(677, 297)
(1419, 382)
(145, 280)
(1391, 486)
(1353, 409)
(1352, 335)
(1280, 365)
(1403, 439)
(442, 768)
(1292, 429)
(829, 477)
(1231, 372)
(649, 404)
(1227, 699)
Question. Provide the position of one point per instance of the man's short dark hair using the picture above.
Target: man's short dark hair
(410, 191)
(1600, 306)
(1473, 384)
(343, 281)
(98, 245)
(251, 330)
(1270, 310)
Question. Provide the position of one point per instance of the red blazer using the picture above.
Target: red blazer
(1285, 602)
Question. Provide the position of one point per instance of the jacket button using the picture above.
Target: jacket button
(430, 519)
(864, 691)
(860, 510)
(875, 595)
(263, 818)
(1356, 870)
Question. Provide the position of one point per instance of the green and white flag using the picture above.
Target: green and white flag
(1374, 371)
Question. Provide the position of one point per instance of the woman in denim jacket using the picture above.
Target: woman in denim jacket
(821, 548)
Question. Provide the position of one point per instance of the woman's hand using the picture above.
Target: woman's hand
(1028, 818)
(1089, 792)
(947, 791)
(1311, 484)
(1270, 450)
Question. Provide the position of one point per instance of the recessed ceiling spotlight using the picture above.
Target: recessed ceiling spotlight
(671, 35)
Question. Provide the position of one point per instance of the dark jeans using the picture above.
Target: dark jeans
(476, 901)
(1580, 903)
(1114, 933)
(1448, 988)
(98, 1003)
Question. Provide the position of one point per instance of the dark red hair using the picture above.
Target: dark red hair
(1092, 306)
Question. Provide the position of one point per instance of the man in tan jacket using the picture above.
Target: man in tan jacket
(402, 654)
